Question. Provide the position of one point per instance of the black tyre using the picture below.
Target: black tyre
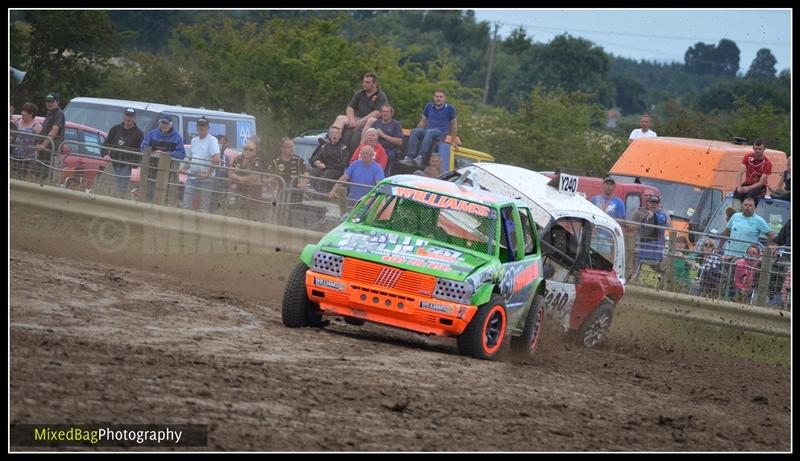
(526, 343)
(356, 322)
(485, 334)
(595, 327)
(298, 310)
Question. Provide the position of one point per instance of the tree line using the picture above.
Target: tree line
(546, 105)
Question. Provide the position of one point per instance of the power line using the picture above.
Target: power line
(630, 34)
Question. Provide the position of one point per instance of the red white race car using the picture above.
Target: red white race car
(583, 248)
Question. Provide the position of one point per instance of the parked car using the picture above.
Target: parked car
(582, 247)
(79, 157)
(428, 256)
(631, 194)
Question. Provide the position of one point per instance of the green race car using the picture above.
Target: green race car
(428, 256)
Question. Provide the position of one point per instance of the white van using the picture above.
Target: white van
(103, 113)
(582, 247)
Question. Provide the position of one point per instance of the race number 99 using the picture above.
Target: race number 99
(568, 183)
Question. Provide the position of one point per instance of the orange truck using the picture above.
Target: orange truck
(693, 175)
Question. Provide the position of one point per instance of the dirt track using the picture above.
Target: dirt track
(93, 342)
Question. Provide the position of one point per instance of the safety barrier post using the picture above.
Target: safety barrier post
(162, 177)
(144, 172)
(763, 279)
(669, 274)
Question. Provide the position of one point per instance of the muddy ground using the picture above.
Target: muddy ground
(93, 341)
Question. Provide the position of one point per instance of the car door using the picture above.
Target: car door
(563, 255)
(520, 258)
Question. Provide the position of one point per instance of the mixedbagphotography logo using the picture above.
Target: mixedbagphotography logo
(108, 235)
(109, 435)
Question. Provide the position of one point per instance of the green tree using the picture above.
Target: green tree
(62, 50)
(763, 65)
(575, 65)
(722, 59)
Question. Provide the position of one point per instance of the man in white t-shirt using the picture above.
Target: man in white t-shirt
(205, 149)
(644, 131)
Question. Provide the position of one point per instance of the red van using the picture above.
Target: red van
(631, 194)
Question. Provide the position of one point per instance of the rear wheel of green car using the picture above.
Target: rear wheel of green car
(298, 310)
(483, 337)
(525, 344)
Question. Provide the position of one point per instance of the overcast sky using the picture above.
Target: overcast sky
(657, 35)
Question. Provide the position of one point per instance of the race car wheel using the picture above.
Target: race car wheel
(526, 343)
(595, 327)
(298, 310)
(484, 335)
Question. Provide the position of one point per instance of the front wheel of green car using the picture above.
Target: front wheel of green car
(525, 344)
(484, 335)
(297, 310)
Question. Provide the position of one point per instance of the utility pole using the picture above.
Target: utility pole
(491, 64)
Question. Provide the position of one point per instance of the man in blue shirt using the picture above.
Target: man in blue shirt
(165, 138)
(608, 202)
(362, 171)
(438, 120)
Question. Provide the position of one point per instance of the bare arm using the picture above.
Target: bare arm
(335, 188)
(454, 132)
(423, 122)
(739, 175)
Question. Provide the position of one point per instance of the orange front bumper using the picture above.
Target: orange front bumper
(375, 303)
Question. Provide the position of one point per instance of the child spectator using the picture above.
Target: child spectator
(744, 275)
(682, 264)
(709, 267)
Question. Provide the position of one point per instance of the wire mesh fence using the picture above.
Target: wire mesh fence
(715, 266)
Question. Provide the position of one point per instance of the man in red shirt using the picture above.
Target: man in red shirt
(752, 175)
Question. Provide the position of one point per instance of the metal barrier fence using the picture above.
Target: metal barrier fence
(157, 178)
(715, 267)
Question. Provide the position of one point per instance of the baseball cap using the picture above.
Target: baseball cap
(609, 179)
(654, 199)
(165, 118)
(53, 97)
(202, 121)
(130, 110)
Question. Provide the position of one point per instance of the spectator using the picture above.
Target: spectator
(371, 139)
(364, 171)
(23, 153)
(752, 175)
(290, 167)
(744, 276)
(365, 103)
(220, 196)
(53, 128)
(608, 202)
(247, 180)
(390, 134)
(125, 138)
(165, 138)
(198, 167)
(643, 131)
(744, 228)
(651, 238)
(329, 160)
(784, 235)
(682, 264)
(434, 170)
(784, 189)
(438, 119)
(709, 267)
